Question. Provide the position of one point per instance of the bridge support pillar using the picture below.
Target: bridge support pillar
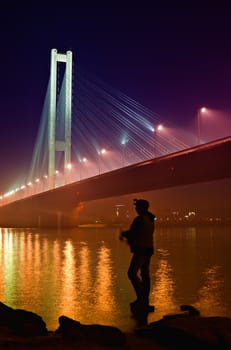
(53, 144)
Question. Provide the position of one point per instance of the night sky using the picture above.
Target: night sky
(171, 58)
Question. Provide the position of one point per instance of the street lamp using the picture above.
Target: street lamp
(67, 172)
(82, 160)
(123, 144)
(155, 130)
(101, 152)
(199, 112)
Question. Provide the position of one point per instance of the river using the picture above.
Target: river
(82, 273)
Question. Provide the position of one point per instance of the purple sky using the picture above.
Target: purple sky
(171, 58)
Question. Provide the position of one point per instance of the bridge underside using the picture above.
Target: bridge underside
(58, 207)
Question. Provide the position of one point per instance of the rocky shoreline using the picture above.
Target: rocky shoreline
(186, 330)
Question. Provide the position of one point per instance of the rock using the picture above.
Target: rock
(21, 322)
(186, 310)
(99, 334)
(192, 311)
(190, 332)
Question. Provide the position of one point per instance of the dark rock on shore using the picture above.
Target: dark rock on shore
(16, 324)
(184, 330)
(190, 331)
(21, 322)
(96, 333)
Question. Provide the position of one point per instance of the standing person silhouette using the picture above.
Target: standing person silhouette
(140, 239)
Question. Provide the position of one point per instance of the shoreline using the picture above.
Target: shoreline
(185, 330)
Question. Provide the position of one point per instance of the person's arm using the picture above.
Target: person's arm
(130, 234)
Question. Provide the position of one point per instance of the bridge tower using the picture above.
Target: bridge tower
(54, 144)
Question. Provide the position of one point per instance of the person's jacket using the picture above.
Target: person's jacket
(140, 234)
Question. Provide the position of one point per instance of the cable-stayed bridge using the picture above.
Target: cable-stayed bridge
(95, 142)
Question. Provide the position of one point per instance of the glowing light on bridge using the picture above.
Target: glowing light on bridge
(103, 151)
(212, 124)
(200, 111)
(159, 127)
(124, 140)
(69, 166)
(156, 129)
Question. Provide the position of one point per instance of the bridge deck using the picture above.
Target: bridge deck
(199, 164)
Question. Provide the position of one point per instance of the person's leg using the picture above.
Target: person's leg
(135, 265)
(145, 277)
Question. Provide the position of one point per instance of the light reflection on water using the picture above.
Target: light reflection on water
(82, 273)
(163, 293)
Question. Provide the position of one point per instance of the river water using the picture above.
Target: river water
(82, 273)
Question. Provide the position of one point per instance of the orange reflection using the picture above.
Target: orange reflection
(8, 265)
(56, 257)
(210, 297)
(85, 280)
(68, 287)
(164, 285)
(26, 267)
(105, 298)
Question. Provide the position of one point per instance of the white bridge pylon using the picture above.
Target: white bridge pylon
(54, 144)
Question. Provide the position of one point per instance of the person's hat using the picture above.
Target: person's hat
(141, 204)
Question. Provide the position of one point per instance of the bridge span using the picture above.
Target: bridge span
(202, 163)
